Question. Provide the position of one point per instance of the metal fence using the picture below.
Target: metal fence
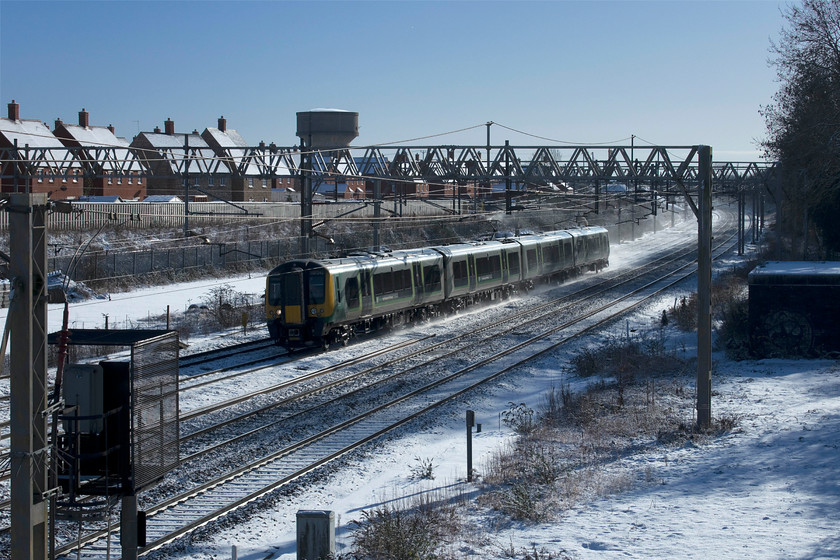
(154, 390)
(92, 215)
(121, 264)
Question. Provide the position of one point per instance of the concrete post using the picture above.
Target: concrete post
(28, 315)
(315, 534)
(128, 527)
(704, 289)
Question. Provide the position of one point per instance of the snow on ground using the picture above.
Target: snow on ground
(145, 307)
(768, 489)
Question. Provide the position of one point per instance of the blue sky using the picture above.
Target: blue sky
(671, 73)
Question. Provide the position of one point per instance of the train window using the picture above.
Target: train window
(482, 268)
(551, 254)
(284, 289)
(351, 291)
(383, 283)
(567, 250)
(431, 278)
(275, 290)
(317, 287)
(459, 273)
(402, 280)
(532, 259)
(513, 263)
(488, 268)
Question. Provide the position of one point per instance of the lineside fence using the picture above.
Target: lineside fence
(92, 215)
(106, 266)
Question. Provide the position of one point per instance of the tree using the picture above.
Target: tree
(803, 122)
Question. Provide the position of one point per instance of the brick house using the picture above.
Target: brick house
(51, 168)
(246, 182)
(111, 169)
(169, 156)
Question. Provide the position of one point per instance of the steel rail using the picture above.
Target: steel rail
(272, 462)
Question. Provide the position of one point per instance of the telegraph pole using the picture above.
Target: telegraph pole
(28, 314)
(704, 289)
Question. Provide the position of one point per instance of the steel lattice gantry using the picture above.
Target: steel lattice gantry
(523, 165)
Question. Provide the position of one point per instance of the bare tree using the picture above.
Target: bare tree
(803, 122)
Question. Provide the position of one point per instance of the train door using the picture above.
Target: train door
(472, 271)
(367, 294)
(289, 292)
(417, 279)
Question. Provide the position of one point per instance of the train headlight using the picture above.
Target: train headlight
(313, 311)
(278, 312)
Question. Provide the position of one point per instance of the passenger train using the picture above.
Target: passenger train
(319, 302)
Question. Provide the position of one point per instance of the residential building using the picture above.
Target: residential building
(40, 163)
(182, 164)
(110, 168)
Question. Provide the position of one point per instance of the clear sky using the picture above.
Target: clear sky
(669, 72)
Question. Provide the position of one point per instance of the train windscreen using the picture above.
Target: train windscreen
(284, 289)
(317, 287)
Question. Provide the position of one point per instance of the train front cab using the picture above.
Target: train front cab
(297, 303)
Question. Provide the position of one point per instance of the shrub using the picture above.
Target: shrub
(519, 418)
(414, 532)
(423, 470)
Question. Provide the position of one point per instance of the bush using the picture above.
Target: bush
(519, 418)
(423, 470)
(417, 531)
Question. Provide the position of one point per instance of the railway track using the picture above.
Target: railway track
(535, 313)
(184, 513)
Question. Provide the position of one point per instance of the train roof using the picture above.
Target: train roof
(796, 272)
(376, 259)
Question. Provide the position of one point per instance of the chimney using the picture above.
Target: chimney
(83, 119)
(14, 111)
(222, 124)
(169, 126)
(112, 129)
(57, 124)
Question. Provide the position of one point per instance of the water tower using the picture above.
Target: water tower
(319, 129)
(327, 128)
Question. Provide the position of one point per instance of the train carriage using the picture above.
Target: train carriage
(320, 302)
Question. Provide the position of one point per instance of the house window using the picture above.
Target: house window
(210, 181)
(265, 183)
(119, 179)
(222, 181)
(196, 181)
(110, 179)
(75, 175)
(250, 182)
(131, 179)
(40, 175)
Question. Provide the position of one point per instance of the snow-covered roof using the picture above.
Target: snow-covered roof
(110, 199)
(123, 160)
(34, 133)
(171, 147)
(234, 146)
(44, 148)
(811, 268)
(227, 139)
(162, 198)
